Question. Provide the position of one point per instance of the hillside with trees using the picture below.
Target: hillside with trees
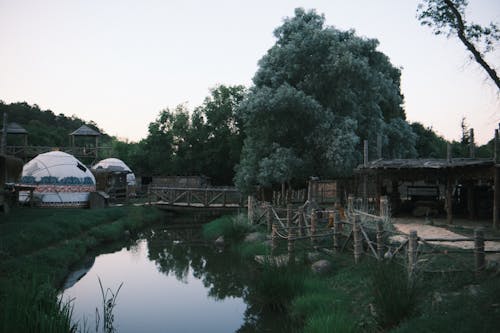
(44, 127)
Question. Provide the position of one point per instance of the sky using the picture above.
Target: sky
(120, 62)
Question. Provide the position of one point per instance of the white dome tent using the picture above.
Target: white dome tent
(117, 164)
(60, 180)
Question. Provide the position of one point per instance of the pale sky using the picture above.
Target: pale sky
(119, 62)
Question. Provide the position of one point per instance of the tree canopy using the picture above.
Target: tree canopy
(318, 93)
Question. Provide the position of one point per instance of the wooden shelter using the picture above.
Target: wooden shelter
(470, 185)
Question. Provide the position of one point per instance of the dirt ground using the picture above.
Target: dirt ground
(438, 229)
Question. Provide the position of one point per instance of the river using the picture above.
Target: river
(173, 281)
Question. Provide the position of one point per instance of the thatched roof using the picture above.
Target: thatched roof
(428, 163)
(84, 130)
(15, 128)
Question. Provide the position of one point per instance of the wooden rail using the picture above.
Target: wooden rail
(197, 197)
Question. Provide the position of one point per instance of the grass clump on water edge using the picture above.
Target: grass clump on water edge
(232, 228)
(277, 285)
(32, 305)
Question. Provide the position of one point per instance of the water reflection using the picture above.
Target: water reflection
(175, 282)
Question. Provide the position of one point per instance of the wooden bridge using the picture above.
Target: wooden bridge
(210, 201)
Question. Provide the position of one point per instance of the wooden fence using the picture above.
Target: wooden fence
(365, 234)
(208, 197)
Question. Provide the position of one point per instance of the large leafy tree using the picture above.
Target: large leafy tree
(318, 93)
(206, 141)
(448, 17)
(218, 134)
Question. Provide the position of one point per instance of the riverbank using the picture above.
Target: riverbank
(369, 296)
(38, 248)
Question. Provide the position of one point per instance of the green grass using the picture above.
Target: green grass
(276, 286)
(232, 228)
(370, 296)
(46, 243)
(32, 305)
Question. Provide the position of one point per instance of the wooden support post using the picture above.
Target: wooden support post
(289, 216)
(283, 194)
(412, 253)
(250, 209)
(380, 240)
(471, 209)
(4, 135)
(358, 238)
(479, 250)
(472, 147)
(336, 232)
(313, 227)
(379, 146)
(365, 153)
(449, 199)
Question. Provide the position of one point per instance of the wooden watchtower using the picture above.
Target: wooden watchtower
(84, 144)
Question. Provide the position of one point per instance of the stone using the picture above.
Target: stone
(220, 241)
(255, 237)
(321, 266)
(313, 256)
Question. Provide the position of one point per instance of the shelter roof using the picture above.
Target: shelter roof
(15, 128)
(84, 130)
(428, 163)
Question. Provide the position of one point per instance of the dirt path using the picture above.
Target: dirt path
(429, 231)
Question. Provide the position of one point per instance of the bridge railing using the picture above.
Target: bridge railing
(197, 197)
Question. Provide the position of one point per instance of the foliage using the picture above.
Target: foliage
(448, 17)
(428, 144)
(232, 228)
(318, 93)
(394, 295)
(206, 141)
(108, 304)
(32, 305)
(277, 285)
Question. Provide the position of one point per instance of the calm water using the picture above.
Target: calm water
(172, 282)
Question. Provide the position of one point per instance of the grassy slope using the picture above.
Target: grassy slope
(38, 247)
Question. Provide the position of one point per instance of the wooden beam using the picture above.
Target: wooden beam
(449, 199)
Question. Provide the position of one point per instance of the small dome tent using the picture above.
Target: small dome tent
(60, 180)
(116, 164)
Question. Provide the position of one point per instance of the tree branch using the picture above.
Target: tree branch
(477, 55)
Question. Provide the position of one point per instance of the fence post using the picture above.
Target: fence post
(336, 231)
(384, 207)
(479, 249)
(290, 232)
(268, 217)
(301, 221)
(250, 209)
(412, 252)
(350, 204)
(356, 232)
(380, 240)
(274, 239)
(313, 227)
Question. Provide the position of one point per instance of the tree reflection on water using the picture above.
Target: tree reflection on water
(178, 250)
